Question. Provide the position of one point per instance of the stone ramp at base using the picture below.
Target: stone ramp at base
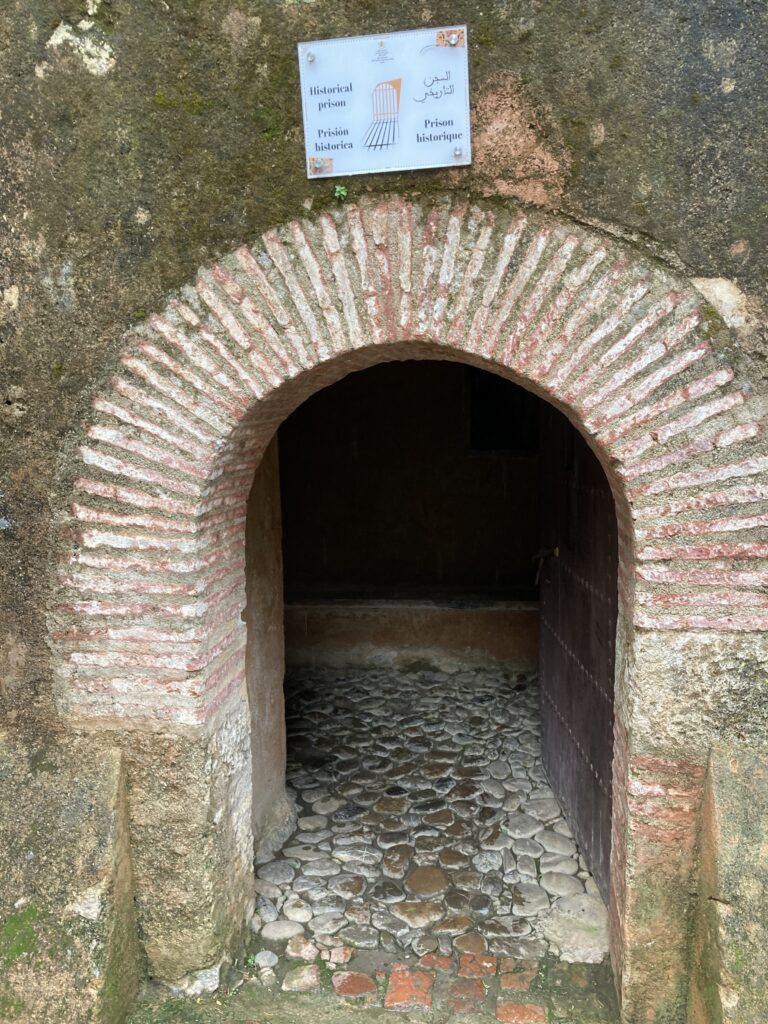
(68, 948)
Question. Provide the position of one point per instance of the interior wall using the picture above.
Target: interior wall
(404, 633)
(264, 658)
(383, 494)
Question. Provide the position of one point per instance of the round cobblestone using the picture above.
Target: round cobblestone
(425, 820)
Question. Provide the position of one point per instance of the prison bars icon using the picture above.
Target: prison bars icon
(383, 130)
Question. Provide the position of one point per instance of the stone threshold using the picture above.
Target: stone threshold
(433, 988)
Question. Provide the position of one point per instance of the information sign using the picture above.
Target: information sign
(393, 102)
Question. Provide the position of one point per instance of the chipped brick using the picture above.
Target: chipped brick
(354, 985)
(520, 1013)
(465, 995)
(408, 989)
(476, 965)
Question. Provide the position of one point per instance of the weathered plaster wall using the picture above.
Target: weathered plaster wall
(139, 140)
(730, 973)
(403, 633)
(68, 939)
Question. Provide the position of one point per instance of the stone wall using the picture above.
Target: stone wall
(141, 141)
(69, 946)
(145, 625)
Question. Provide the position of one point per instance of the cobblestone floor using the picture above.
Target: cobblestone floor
(431, 876)
(431, 866)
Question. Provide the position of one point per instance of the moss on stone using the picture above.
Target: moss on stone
(18, 935)
(11, 1007)
(712, 322)
(192, 103)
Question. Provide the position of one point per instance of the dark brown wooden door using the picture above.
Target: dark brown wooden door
(578, 593)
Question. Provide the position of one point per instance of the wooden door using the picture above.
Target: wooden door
(578, 592)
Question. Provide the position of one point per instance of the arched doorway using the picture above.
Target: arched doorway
(146, 635)
(414, 546)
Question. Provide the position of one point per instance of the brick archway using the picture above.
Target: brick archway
(146, 627)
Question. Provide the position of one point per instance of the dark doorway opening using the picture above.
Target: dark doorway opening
(442, 483)
(428, 510)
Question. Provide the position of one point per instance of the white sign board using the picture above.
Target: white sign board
(396, 102)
